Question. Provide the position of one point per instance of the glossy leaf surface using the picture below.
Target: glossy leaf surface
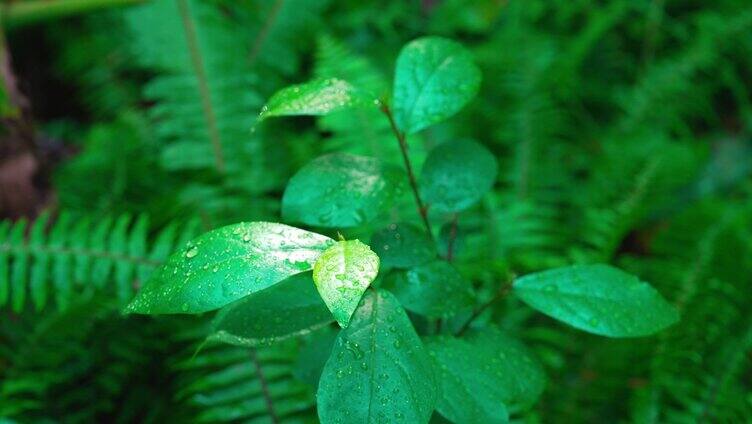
(434, 289)
(379, 371)
(342, 274)
(290, 308)
(456, 175)
(434, 79)
(599, 299)
(482, 373)
(227, 264)
(402, 246)
(340, 190)
(317, 97)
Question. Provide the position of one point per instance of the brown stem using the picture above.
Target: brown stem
(264, 387)
(422, 208)
(501, 293)
(452, 238)
(199, 69)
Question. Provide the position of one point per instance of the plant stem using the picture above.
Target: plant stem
(504, 290)
(15, 14)
(452, 238)
(264, 388)
(422, 209)
(203, 86)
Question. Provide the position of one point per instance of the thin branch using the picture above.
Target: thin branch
(18, 13)
(264, 387)
(503, 291)
(264, 32)
(203, 85)
(422, 208)
(452, 238)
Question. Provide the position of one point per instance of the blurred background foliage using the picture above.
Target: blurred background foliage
(622, 128)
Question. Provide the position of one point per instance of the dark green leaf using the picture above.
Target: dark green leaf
(598, 299)
(340, 190)
(449, 184)
(342, 273)
(434, 79)
(317, 97)
(483, 373)
(227, 264)
(314, 354)
(379, 371)
(434, 289)
(286, 309)
(402, 246)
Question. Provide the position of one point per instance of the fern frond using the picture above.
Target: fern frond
(228, 383)
(80, 255)
(204, 94)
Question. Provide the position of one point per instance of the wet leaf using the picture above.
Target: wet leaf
(340, 190)
(483, 373)
(318, 97)
(227, 264)
(599, 299)
(379, 371)
(434, 289)
(448, 184)
(434, 79)
(402, 246)
(290, 308)
(342, 274)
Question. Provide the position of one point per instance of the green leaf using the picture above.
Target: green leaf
(342, 273)
(434, 79)
(287, 309)
(598, 299)
(227, 264)
(448, 184)
(402, 246)
(340, 190)
(314, 354)
(318, 97)
(483, 374)
(378, 371)
(434, 289)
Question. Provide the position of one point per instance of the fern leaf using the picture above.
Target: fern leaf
(79, 256)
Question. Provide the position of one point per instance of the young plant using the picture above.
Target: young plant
(381, 369)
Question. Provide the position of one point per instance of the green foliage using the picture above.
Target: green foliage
(227, 264)
(448, 184)
(379, 370)
(598, 299)
(434, 289)
(482, 371)
(608, 144)
(290, 308)
(342, 274)
(72, 257)
(340, 190)
(434, 79)
(402, 246)
(318, 97)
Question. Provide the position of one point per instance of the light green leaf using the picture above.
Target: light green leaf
(287, 309)
(598, 299)
(227, 264)
(482, 374)
(379, 371)
(449, 184)
(434, 289)
(434, 79)
(340, 190)
(402, 246)
(318, 97)
(342, 273)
